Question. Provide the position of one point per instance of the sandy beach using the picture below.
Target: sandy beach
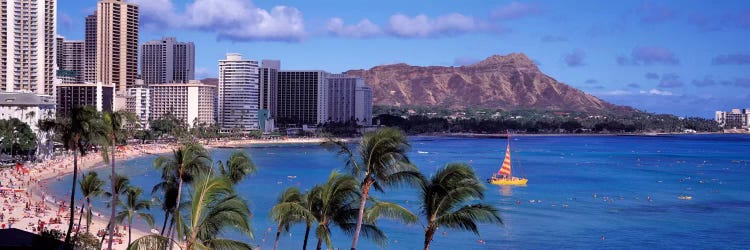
(27, 204)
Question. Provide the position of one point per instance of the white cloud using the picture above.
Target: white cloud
(657, 92)
(515, 10)
(363, 29)
(230, 19)
(617, 92)
(422, 26)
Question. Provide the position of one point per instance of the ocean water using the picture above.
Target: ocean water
(583, 192)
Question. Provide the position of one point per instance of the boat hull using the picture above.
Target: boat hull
(509, 182)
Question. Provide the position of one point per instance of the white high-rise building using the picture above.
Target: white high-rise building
(27, 45)
(167, 61)
(238, 94)
(192, 103)
(139, 103)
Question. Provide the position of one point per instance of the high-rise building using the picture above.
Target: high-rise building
(167, 61)
(341, 97)
(70, 61)
(27, 45)
(363, 104)
(349, 99)
(302, 98)
(192, 103)
(117, 43)
(139, 103)
(238, 94)
(71, 96)
(269, 72)
(89, 71)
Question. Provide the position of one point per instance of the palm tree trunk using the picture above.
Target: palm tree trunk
(80, 217)
(428, 237)
(177, 207)
(320, 244)
(166, 216)
(365, 193)
(278, 235)
(114, 197)
(169, 229)
(88, 216)
(130, 229)
(307, 234)
(72, 193)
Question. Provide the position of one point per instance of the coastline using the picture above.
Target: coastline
(36, 189)
(41, 174)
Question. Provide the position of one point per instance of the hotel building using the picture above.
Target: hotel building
(89, 71)
(736, 119)
(71, 96)
(117, 43)
(27, 45)
(167, 61)
(70, 61)
(302, 98)
(238, 94)
(192, 103)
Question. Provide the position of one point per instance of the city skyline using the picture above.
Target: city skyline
(675, 57)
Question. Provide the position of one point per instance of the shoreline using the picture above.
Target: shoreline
(35, 186)
(44, 173)
(503, 135)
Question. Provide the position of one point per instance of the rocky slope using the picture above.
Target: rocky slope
(507, 82)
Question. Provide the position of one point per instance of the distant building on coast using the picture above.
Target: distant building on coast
(139, 103)
(167, 61)
(75, 95)
(192, 102)
(238, 96)
(735, 119)
(70, 60)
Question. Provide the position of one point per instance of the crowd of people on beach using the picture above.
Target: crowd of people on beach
(26, 200)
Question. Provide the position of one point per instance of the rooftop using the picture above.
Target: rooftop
(24, 99)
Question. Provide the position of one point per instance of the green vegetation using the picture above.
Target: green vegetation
(91, 186)
(486, 121)
(447, 201)
(379, 161)
(213, 205)
(16, 138)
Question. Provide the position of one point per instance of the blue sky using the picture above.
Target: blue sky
(687, 58)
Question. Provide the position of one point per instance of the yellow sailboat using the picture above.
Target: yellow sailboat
(504, 176)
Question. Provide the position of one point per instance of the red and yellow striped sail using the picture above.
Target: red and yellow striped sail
(505, 169)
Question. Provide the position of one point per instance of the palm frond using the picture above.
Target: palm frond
(381, 209)
(152, 241)
(466, 217)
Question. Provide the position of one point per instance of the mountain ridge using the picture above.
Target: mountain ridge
(508, 82)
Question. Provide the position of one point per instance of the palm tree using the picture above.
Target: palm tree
(133, 206)
(448, 201)
(381, 161)
(168, 188)
(91, 186)
(335, 204)
(289, 210)
(188, 161)
(214, 206)
(113, 123)
(237, 167)
(120, 185)
(84, 127)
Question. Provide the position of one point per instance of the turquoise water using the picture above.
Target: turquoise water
(588, 192)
